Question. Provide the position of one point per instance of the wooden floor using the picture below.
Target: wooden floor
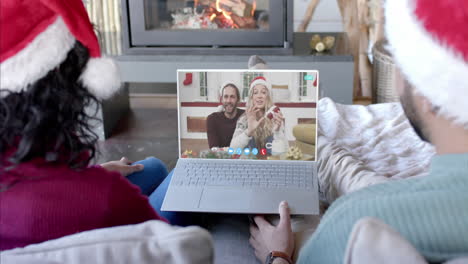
(142, 133)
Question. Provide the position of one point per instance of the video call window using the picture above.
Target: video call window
(239, 114)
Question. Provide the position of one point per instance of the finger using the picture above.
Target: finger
(129, 169)
(253, 231)
(276, 118)
(284, 212)
(261, 120)
(136, 167)
(259, 255)
(279, 116)
(251, 107)
(253, 242)
(261, 222)
(125, 161)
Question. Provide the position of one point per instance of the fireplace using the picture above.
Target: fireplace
(207, 26)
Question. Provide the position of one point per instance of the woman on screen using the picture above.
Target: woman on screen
(262, 124)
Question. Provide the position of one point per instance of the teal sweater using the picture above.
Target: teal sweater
(431, 212)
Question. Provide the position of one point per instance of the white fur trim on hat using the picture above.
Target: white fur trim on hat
(434, 69)
(44, 53)
(262, 82)
(101, 77)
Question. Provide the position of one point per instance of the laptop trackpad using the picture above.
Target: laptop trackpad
(225, 199)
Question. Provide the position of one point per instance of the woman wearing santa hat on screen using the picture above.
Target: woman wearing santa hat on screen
(51, 71)
(262, 124)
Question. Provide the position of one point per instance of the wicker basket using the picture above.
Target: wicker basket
(383, 75)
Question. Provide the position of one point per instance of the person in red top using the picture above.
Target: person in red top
(52, 72)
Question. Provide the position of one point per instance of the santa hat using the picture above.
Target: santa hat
(260, 80)
(428, 40)
(36, 36)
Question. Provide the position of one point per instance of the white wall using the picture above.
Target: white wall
(191, 92)
(327, 17)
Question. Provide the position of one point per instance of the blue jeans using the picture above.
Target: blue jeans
(153, 181)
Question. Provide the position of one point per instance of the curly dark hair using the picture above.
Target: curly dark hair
(50, 118)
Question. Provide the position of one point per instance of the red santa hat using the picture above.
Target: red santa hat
(260, 80)
(428, 40)
(36, 36)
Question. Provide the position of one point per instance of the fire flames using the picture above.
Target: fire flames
(224, 16)
(217, 14)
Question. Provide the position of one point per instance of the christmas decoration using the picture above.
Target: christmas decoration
(188, 78)
(294, 153)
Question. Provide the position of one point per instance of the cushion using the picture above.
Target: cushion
(360, 146)
(305, 147)
(372, 241)
(305, 133)
(149, 242)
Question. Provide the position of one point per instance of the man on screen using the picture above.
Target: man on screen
(221, 124)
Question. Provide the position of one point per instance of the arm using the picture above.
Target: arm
(122, 166)
(279, 130)
(240, 138)
(212, 132)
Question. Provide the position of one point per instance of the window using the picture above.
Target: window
(105, 16)
(247, 79)
(203, 85)
(303, 84)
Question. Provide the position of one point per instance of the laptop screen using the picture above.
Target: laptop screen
(245, 114)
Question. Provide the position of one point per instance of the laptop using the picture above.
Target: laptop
(246, 174)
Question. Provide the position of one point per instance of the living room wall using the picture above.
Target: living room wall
(326, 18)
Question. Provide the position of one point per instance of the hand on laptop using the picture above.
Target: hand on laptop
(265, 238)
(123, 166)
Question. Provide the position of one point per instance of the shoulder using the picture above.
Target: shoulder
(214, 115)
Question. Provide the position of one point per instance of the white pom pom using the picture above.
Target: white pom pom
(101, 77)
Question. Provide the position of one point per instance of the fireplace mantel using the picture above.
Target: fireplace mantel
(336, 67)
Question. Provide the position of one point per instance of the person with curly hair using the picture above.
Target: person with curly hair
(52, 73)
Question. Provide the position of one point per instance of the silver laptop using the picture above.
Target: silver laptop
(246, 171)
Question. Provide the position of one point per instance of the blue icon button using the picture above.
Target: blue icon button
(308, 77)
(246, 151)
(239, 151)
(230, 151)
(254, 151)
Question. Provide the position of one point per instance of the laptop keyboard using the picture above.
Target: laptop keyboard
(259, 174)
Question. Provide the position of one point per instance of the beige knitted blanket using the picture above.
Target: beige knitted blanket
(363, 145)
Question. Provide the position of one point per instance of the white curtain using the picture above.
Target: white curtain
(105, 16)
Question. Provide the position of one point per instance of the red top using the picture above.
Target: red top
(56, 201)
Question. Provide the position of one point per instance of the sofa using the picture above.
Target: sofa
(371, 241)
(352, 152)
(149, 242)
(305, 138)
